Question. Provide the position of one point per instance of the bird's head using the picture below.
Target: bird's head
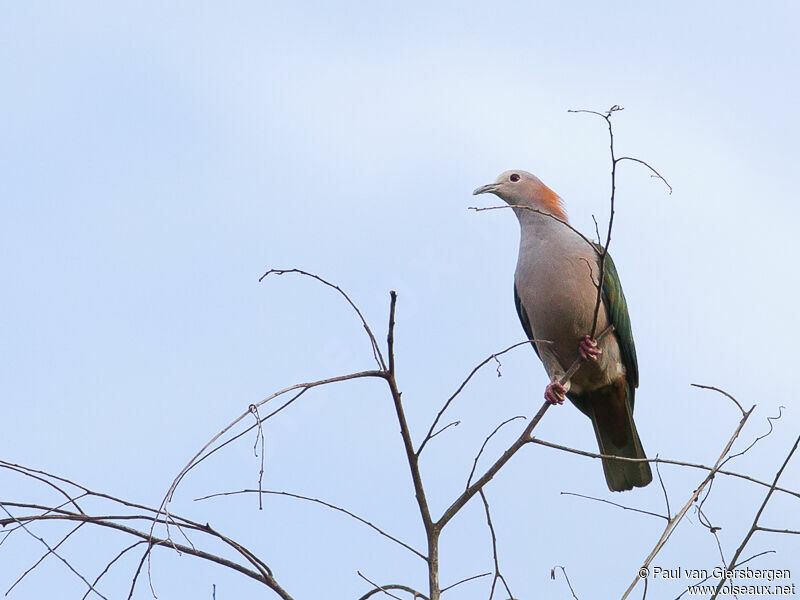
(520, 188)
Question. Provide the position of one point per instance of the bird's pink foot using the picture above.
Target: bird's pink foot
(554, 393)
(588, 349)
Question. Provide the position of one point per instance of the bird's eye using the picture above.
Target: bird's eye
(514, 177)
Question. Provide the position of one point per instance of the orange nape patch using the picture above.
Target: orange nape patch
(552, 202)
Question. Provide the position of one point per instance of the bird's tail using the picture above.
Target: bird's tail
(616, 433)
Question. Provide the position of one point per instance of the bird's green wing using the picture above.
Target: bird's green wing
(617, 308)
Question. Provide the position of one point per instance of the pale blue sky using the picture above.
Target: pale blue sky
(155, 160)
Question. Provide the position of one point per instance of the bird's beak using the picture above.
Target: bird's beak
(485, 189)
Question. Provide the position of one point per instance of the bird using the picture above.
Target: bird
(555, 293)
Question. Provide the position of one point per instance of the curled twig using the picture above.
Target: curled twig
(564, 571)
(483, 446)
(376, 350)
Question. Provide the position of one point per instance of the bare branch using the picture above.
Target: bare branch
(35, 474)
(606, 116)
(723, 392)
(50, 551)
(323, 503)
(772, 530)
(597, 230)
(464, 383)
(656, 174)
(760, 437)
(384, 588)
(497, 574)
(622, 506)
(109, 565)
(706, 522)
(465, 580)
(564, 571)
(196, 459)
(604, 252)
(412, 457)
(678, 517)
(664, 461)
(263, 574)
(754, 527)
(247, 430)
(259, 436)
(139, 569)
(523, 439)
(445, 428)
(376, 350)
(483, 446)
(405, 431)
(663, 489)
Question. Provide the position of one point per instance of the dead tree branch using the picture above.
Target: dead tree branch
(679, 516)
(323, 503)
(606, 116)
(754, 527)
(566, 577)
(376, 350)
(524, 438)
(498, 576)
(385, 589)
(617, 504)
(662, 461)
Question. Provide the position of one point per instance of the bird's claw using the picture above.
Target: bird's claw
(588, 349)
(555, 393)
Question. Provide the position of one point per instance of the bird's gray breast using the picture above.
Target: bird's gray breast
(556, 279)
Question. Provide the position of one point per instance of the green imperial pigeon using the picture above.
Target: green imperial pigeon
(555, 294)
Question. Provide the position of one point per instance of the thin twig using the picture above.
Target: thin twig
(622, 506)
(497, 574)
(35, 474)
(524, 438)
(564, 571)
(664, 461)
(109, 565)
(673, 523)
(50, 551)
(46, 554)
(445, 428)
(412, 457)
(392, 586)
(706, 522)
(663, 489)
(483, 446)
(463, 384)
(376, 350)
(720, 391)
(603, 253)
(298, 386)
(465, 580)
(754, 527)
(760, 437)
(656, 174)
(259, 436)
(323, 503)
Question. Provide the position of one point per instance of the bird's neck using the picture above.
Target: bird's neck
(534, 217)
(541, 228)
